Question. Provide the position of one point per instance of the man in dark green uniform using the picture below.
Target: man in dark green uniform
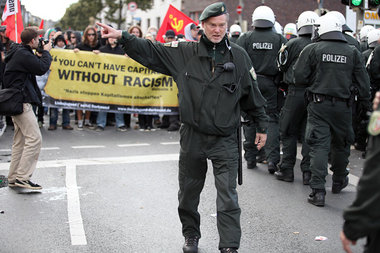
(328, 67)
(294, 114)
(362, 218)
(215, 82)
(262, 45)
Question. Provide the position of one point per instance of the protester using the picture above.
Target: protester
(210, 117)
(362, 218)
(22, 66)
(59, 43)
(191, 32)
(112, 47)
(90, 43)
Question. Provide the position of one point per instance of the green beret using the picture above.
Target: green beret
(213, 10)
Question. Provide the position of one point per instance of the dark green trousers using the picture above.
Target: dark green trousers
(329, 128)
(293, 118)
(272, 146)
(196, 148)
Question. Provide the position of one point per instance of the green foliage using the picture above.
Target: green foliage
(77, 16)
(115, 9)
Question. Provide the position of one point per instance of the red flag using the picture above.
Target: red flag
(41, 26)
(12, 18)
(174, 20)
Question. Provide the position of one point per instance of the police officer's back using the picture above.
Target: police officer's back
(294, 114)
(328, 68)
(262, 45)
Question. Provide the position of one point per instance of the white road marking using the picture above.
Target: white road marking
(170, 143)
(89, 146)
(50, 148)
(78, 236)
(5, 150)
(104, 160)
(133, 145)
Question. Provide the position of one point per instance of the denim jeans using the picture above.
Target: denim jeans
(101, 120)
(54, 117)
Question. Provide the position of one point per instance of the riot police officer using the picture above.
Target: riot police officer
(290, 31)
(235, 32)
(262, 45)
(294, 114)
(345, 29)
(363, 36)
(215, 82)
(328, 67)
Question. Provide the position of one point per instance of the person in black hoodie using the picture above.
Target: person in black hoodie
(22, 66)
(112, 47)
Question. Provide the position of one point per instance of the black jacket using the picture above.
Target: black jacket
(109, 50)
(22, 66)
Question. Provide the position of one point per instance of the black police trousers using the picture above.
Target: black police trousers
(196, 148)
(328, 128)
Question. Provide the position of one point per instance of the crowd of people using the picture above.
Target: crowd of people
(311, 82)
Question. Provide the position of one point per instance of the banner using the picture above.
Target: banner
(12, 18)
(174, 20)
(107, 82)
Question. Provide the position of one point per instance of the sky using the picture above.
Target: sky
(47, 9)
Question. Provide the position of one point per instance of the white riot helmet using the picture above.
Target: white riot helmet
(306, 21)
(263, 17)
(364, 32)
(290, 30)
(328, 27)
(277, 27)
(373, 36)
(235, 30)
(341, 19)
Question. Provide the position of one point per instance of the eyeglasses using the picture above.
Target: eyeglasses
(91, 34)
(73, 37)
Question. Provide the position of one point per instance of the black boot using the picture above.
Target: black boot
(338, 186)
(306, 176)
(251, 165)
(287, 176)
(228, 250)
(191, 244)
(272, 168)
(317, 197)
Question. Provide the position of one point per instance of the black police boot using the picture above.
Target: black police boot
(228, 250)
(191, 244)
(261, 158)
(306, 177)
(338, 186)
(251, 165)
(272, 168)
(317, 197)
(287, 176)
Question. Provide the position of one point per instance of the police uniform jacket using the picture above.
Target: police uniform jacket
(289, 55)
(374, 68)
(362, 218)
(21, 69)
(210, 95)
(262, 46)
(330, 67)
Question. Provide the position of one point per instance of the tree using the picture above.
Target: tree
(77, 16)
(116, 7)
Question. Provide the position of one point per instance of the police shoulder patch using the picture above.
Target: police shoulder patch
(171, 44)
(374, 124)
(253, 73)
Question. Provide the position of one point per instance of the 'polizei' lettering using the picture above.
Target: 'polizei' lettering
(335, 58)
(262, 45)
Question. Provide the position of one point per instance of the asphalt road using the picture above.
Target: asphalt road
(117, 192)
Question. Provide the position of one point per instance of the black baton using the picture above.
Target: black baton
(240, 166)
